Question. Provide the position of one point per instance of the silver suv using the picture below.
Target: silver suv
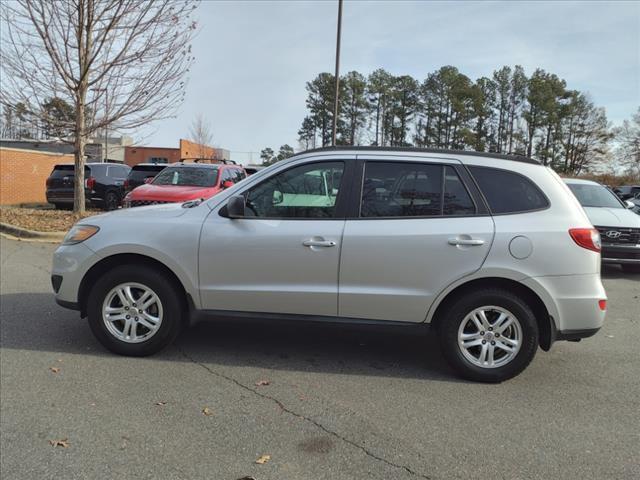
(493, 251)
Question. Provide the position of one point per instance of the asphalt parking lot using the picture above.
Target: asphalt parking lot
(338, 404)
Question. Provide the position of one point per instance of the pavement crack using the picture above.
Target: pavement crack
(285, 409)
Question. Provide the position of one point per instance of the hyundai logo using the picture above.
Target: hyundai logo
(613, 234)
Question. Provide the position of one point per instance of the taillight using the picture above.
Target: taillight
(126, 184)
(90, 183)
(588, 238)
(602, 304)
(49, 182)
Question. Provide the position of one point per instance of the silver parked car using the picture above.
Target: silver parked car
(493, 251)
(614, 218)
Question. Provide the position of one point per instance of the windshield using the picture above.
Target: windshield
(187, 176)
(595, 196)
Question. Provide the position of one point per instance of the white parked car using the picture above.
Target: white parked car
(494, 251)
(616, 221)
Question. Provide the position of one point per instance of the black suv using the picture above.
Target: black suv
(142, 173)
(103, 185)
(625, 192)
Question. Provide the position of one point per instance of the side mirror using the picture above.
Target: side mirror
(227, 184)
(278, 197)
(235, 206)
(629, 204)
(148, 179)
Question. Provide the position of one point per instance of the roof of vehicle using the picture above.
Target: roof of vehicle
(161, 165)
(502, 156)
(580, 181)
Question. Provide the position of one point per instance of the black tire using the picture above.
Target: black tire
(111, 201)
(450, 321)
(631, 268)
(63, 206)
(172, 305)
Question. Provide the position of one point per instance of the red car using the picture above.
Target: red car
(181, 182)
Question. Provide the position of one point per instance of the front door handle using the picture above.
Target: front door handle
(319, 243)
(466, 241)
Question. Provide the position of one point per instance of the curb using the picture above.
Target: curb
(24, 234)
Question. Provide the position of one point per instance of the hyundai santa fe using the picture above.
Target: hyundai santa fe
(492, 252)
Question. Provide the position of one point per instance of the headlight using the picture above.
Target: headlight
(79, 233)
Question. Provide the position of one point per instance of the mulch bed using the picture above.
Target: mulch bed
(41, 219)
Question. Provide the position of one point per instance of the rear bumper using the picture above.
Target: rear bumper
(576, 335)
(572, 302)
(621, 254)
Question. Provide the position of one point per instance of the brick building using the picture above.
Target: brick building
(187, 151)
(23, 174)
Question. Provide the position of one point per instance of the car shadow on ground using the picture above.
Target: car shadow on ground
(32, 321)
(616, 272)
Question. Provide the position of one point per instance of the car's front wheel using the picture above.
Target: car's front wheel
(489, 335)
(134, 311)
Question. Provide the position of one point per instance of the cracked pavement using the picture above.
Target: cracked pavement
(340, 404)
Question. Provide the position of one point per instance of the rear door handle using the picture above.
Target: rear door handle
(466, 241)
(319, 243)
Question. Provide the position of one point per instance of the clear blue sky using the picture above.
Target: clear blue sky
(253, 58)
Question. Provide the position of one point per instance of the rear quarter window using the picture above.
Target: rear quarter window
(508, 192)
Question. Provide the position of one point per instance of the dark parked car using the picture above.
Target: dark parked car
(103, 183)
(142, 173)
(625, 192)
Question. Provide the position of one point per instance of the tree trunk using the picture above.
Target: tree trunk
(80, 142)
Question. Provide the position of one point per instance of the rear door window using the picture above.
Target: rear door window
(508, 192)
(394, 189)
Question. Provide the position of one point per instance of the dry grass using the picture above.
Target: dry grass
(41, 219)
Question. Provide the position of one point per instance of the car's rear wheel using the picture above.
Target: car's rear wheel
(631, 268)
(489, 335)
(134, 311)
(111, 201)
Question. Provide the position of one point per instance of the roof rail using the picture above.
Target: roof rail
(501, 156)
(209, 160)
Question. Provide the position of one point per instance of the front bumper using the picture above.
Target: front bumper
(621, 254)
(70, 265)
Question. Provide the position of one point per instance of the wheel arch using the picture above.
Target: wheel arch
(116, 260)
(546, 324)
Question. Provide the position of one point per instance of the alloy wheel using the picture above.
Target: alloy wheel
(489, 337)
(132, 312)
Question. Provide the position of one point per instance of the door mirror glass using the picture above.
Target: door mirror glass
(629, 204)
(235, 207)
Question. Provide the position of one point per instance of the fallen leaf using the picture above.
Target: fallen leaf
(609, 336)
(262, 383)
(92, 404)
(64, 443)
(207, 411)
(54, 369)
(263, 459)
(161, 404)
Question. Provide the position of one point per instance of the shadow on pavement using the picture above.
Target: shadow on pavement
(32, 321)
(616, 272)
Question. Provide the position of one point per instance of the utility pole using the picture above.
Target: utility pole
(337, 78)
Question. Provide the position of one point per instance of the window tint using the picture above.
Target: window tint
(508, 192)
(307, 191)
(457, 200)
(401, 190)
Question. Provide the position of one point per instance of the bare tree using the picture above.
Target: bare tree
(200, 133)
(120, 63)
